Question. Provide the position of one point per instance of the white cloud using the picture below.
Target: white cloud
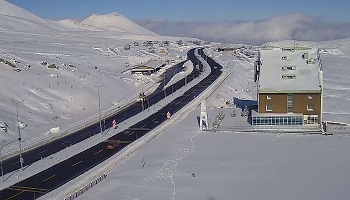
(283, 27)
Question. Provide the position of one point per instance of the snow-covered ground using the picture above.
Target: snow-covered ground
(185, 163)
(54, 69)
(182, 162)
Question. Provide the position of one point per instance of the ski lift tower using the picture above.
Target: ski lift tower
(203, 123)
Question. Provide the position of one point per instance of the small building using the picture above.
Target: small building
(145, 70)
(127, 47)
(152, 50)
(162, 50)
(289, 88)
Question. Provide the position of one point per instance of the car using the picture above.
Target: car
(112, 145)
(142, 97)
(3, 126)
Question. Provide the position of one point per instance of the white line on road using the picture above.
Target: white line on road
(42, 151)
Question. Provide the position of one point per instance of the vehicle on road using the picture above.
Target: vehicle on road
(112, 145)
(141, 97)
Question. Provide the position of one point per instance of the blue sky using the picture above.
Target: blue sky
(253, 21)
(188, 10)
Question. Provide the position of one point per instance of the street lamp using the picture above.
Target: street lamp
(19, 134)
(164, 84)
(99, 106)
(2, 170)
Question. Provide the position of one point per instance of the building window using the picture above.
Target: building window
(269, 107)
(289, 68)
(310, 96)
(289, 76)
(310, 119)
(310, 107)
(279, 120)
(268, 96)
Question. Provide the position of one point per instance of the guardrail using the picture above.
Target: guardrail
(78, 187)
(71, 128)
(84, 189)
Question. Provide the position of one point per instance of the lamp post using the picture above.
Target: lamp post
(19, 135)
(99, 107)
(2, 170)
(164, 84)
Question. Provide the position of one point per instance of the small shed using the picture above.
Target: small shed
(127, 47)
(145, 70)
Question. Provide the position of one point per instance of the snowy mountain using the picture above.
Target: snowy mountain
(77, 25)
(53, 67)
(14, 18)
(9, 9)
(116, 22)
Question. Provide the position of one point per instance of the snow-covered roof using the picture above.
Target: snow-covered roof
(294, 69)
(142, 68)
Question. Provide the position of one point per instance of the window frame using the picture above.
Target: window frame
(267, 106)
(310, 109)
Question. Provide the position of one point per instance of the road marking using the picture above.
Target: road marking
(29, 188)
(49, 177)
(65, 142)
(15, 195)
(14, 163)
(84, 133)
(42, 151)
(76, 163)
(154, 119)
(131, 133)
(99, 151)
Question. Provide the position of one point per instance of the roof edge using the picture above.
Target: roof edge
(288, 91)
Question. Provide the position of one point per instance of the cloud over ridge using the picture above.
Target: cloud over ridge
(282, 27)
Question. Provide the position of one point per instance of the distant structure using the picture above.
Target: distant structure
(142, 69)
(203, 123)
(127, 47)
(289, 88)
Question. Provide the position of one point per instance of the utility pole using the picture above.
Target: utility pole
(19, 135)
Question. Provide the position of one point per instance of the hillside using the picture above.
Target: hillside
(116, 22)
(14, 18)
(54, 67)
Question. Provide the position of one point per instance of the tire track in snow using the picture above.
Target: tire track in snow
(163, 173)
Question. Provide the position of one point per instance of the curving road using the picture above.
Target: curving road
(55, 176)
(11, 164)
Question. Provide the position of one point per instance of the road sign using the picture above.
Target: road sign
(168, 115)
(114, 123)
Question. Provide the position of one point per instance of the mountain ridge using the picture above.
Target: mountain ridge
(15, 18)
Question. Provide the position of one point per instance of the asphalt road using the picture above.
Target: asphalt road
(55, 176)
(12, 164)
